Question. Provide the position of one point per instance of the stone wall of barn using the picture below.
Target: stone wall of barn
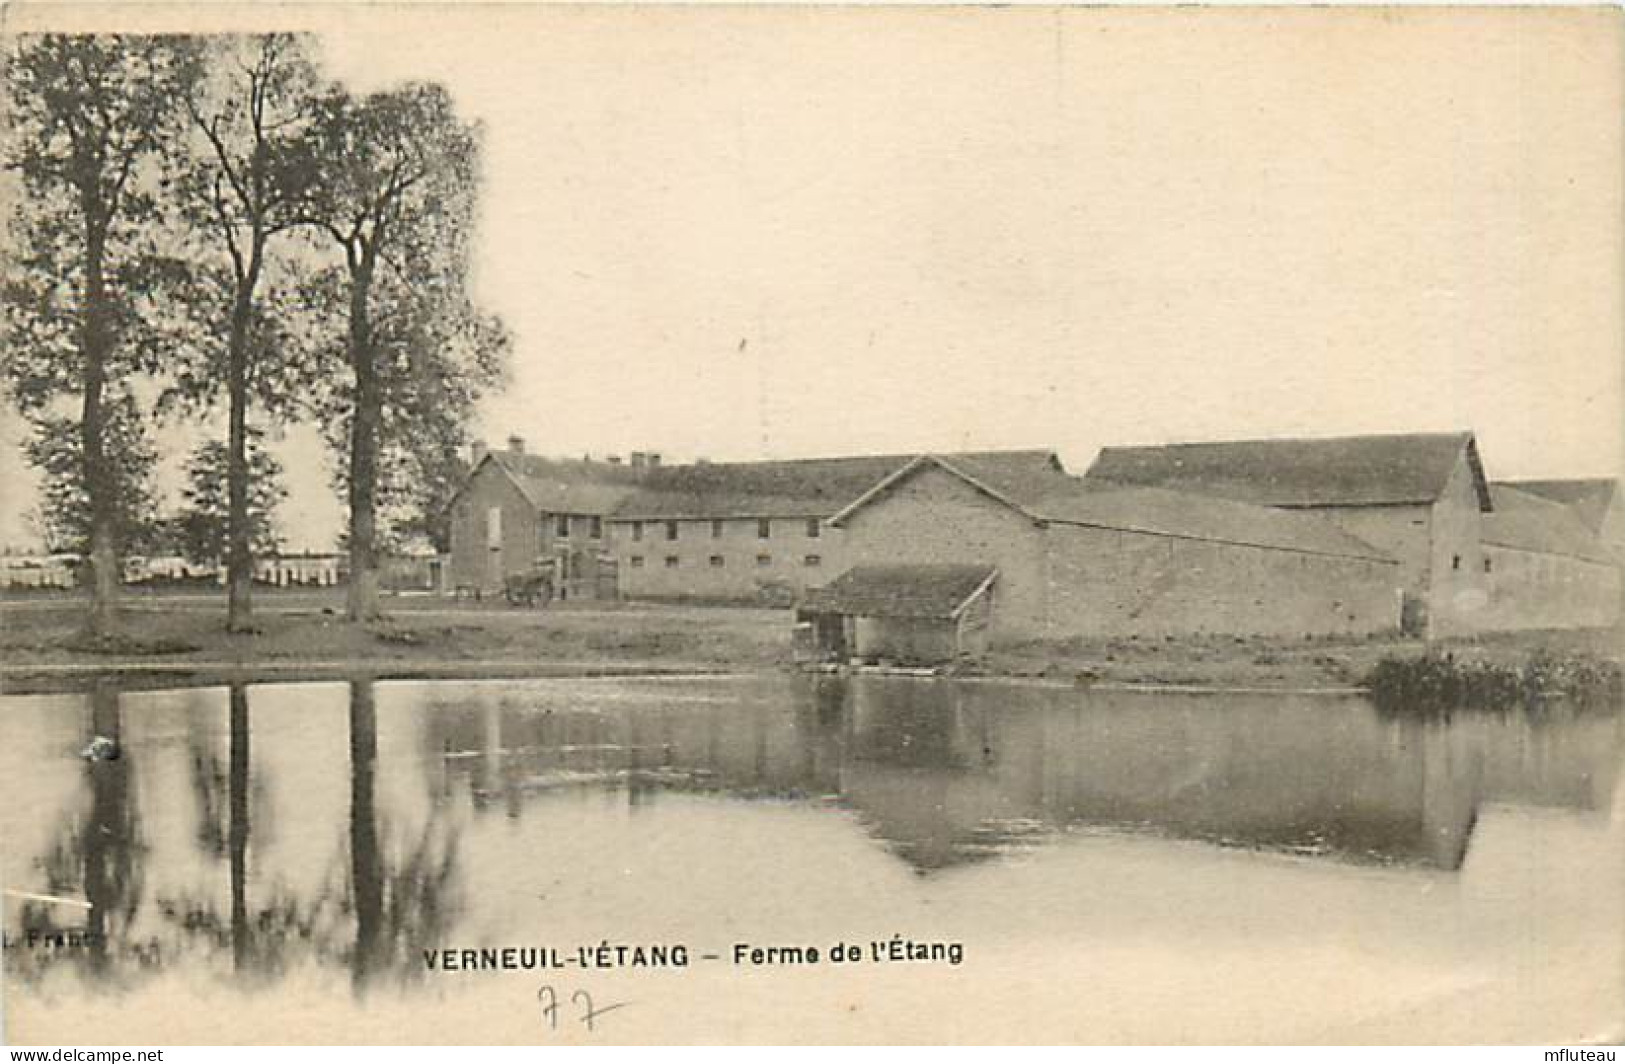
(934, 516)
(1437, 546)
(724, 559)
(1404, 533)
(484, 548)
(1533, 589)
(1105, 582)
(1458, 591)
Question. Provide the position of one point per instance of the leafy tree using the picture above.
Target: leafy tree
(93, 123)
(56, 448)
(244, 190)
(396, 193)
(204, 523)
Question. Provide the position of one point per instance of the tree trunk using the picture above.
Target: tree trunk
(363, 592)
(239, 546)
(237, 830)
(366, 855)
(100, 485)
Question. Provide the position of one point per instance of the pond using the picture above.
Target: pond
(291, 862)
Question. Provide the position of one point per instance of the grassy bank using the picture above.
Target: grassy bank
(42, 643)
(302, 633)
(1237, 661)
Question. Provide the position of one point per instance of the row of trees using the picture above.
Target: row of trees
(197, 531)
(211, 225)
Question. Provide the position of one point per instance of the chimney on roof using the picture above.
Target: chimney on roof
(639, 459)
(516, 444)
(476, 452)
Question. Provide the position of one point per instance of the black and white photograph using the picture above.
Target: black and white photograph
(535, 524)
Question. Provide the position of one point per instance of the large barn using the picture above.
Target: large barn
(1544, 567)
(1077, 559)
(1419, 497)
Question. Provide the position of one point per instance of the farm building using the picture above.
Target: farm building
(1544, 567)
(518, 511)
(1417, 497)
(1079, 559)
(903, 613)
(760, 530)
(1595, 501)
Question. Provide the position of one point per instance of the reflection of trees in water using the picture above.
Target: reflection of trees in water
(386, 896)
(263, 939)
(372, 913)
(99, 855)
(404, 907)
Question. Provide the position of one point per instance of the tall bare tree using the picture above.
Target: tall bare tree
(92, 124)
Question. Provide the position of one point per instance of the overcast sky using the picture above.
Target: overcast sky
(739, 233)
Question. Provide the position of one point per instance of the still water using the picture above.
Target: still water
(276, 862)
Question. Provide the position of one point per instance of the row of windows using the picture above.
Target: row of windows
(1455, 563)
(561, 526)
(717, 561)
(764, 529)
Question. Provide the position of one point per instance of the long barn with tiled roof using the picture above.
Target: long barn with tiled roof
(760, 530)
(1284, 537)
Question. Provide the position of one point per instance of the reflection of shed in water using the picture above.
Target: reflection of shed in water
(905, 614)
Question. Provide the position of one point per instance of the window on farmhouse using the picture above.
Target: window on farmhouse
(596, 529)
(1487, 565)
(637, 561)
(1455, 561)
(562, 526)
(764, 528)
(671, 529)
(672, 561)
(812, 528)
(717, 561)
(637, 531)
(716, 529)
(812, 561)
(764, 559)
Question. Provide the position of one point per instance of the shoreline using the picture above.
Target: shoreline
(299, 638)
(75, 677)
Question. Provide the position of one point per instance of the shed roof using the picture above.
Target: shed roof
(1588, 497)
(919, 592)
(1157, 511)
(809, 487)
(1526, 521)
(1339, 471)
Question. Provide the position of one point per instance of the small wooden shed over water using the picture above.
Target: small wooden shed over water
(924, 614)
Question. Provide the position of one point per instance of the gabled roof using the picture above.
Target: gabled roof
(811, 487)
(1525, 521)
(921, 592)
(563, 485)
(1061, 499)
(1016, 488)
(1341, 471)
(1588, 497)
(1156, 511)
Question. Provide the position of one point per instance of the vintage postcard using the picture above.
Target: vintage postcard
(540, 524)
